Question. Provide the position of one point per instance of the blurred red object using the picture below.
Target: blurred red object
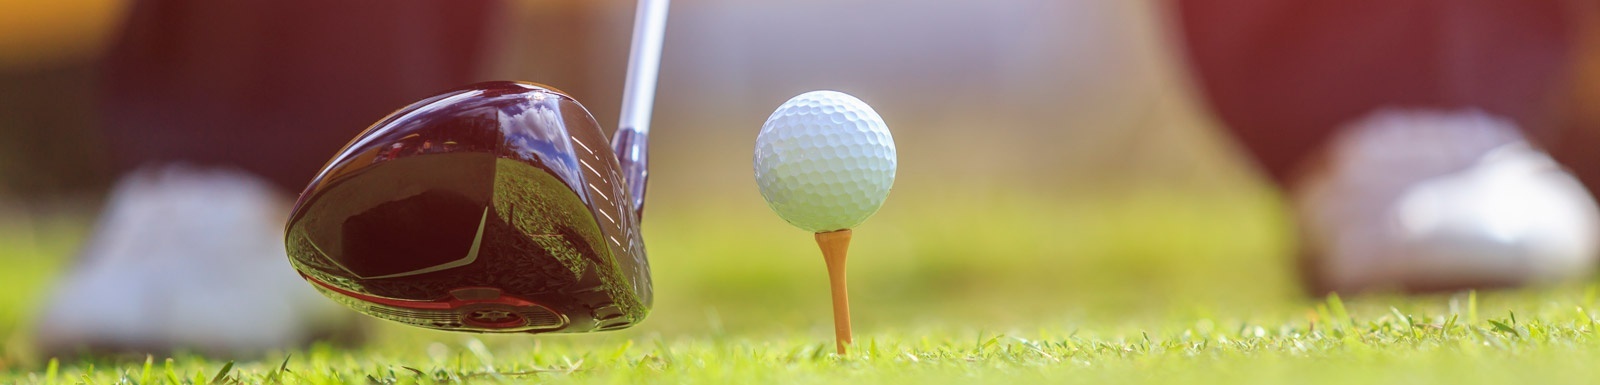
(275, 87)
(1283, 74)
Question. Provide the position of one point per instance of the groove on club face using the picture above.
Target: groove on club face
(632, 153)
(496, 207)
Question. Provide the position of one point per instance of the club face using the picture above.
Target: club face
(497, 207)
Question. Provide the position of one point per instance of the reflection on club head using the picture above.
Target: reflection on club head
(497, 207)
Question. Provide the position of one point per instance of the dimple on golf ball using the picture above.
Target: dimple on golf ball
(824, 161)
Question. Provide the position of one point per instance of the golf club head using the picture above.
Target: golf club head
(496, 207)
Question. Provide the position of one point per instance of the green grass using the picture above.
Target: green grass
(1143, 288)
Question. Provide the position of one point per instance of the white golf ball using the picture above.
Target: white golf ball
(825, 161)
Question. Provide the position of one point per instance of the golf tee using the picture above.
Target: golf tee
(835, 244)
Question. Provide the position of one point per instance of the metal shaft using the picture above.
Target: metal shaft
(638, 97)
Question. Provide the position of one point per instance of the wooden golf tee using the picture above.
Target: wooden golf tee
(834, 246)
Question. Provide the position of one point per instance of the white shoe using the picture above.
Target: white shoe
(1442, 200)
(187, 258)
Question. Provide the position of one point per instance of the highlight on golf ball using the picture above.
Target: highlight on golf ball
(825, 161)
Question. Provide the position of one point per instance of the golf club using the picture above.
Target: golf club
(495, 207)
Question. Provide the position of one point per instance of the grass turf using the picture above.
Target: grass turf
(1132, 288)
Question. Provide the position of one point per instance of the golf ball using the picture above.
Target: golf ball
(824, 161)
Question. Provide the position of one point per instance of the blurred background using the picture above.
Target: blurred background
(1056, 163)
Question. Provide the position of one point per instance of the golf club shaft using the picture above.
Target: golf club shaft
(644, 64)
(638, 97)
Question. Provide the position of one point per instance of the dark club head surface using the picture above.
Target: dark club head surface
(496, 207)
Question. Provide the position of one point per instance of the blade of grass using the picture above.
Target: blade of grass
(222, 375)
(51, 371)
(149, 364)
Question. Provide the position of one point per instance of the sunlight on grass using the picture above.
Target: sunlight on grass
(1141, 287)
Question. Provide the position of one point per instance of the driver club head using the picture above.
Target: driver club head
(496, 207)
